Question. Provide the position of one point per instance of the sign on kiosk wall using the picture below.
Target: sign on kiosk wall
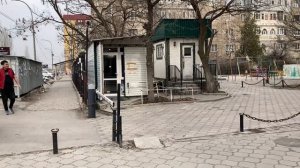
(4, 51)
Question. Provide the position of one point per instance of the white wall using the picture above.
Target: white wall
(160, 64)
(91, 65)
(135, 71)
(100, 68)
(175, 51)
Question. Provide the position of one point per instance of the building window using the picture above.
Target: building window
(273, 16)
(262, 16)
(133, 32)
(297, 32)
(132, 16)
(280, 15)
(297, 46)
(280, 46)
(187, 51)
(229, 47)
(281, 31)
(229, 32)
(159, 51)
(258, 31)
(214, 48)
(272, 31)
(257, 16)
(264, 31)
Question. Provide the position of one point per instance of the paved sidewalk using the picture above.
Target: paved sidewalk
(223, 151)
(199, 134)
(172, 121)
(29, 128)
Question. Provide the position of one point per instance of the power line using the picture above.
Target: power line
(9, 18)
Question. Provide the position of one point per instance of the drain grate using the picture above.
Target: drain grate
(289, 142)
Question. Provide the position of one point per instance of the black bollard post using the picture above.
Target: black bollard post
(242, 84)
(119, 99)
(91, 101)
(118, 112)
(201, 82)
(54, 139)
(282, 82)
(241, 122)
(114, 125)
(120, 136)
(264, 82)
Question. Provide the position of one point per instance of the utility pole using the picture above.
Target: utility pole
(32, 27)
(86, 62)
(52, 55)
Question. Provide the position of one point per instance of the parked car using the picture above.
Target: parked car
(47, 74)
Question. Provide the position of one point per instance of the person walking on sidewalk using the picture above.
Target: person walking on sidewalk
(7, 78)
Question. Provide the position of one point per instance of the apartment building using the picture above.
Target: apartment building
(72, 45)
(295, 32)
(270, 20)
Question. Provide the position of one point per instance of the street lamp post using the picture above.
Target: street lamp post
(52, 55)
(32, 26)
(86, 61)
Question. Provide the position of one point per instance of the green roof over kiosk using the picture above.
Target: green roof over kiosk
(179, 28)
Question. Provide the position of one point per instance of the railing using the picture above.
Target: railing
(77, 75)
(198, 72)
(102, 96)
(174, 73)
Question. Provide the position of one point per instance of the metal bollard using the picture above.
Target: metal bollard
(282, 82)
(120, 136)
(114, 125)
(242, 84)
(264, 81)
(54, 139)
(119, 100)
(241, 122)
(91, 101)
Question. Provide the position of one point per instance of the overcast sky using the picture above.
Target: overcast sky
(17, 10)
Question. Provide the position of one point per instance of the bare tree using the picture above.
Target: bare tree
(211, 10)
(292, 23)
(110, 18)
(149, 27)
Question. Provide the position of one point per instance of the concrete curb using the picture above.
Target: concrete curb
(176, 102)
(166, 103)
(60, 149)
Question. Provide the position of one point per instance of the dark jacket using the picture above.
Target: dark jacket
(2, 76)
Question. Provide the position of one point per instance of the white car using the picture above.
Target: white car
(47, 74)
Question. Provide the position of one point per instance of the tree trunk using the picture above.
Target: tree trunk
(203, 52)
(211, 86)
(150, 72)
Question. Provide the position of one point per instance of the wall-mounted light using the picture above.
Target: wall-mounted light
(174, 43)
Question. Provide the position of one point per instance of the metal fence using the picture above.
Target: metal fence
(78, 74)
(241, 66)
(29, 73)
